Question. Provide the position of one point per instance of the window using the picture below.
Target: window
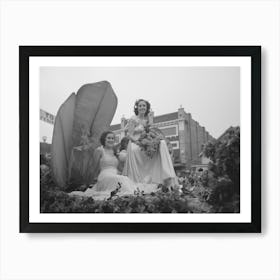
(169, 131)
(175, 144)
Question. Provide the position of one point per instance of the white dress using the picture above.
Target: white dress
(110, 181)
(142, 169)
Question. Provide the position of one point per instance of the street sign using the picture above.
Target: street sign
(47, 117)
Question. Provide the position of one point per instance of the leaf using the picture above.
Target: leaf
(95, 108)
(62, 141)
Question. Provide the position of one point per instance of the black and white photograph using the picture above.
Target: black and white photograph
(141, 138)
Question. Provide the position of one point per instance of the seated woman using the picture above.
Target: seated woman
(138, 166)
(109, 181)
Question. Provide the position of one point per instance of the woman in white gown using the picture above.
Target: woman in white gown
(109, 180)
(138, 166)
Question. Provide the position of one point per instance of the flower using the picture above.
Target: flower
(149, 141)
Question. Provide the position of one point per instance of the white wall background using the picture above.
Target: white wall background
(139, 256)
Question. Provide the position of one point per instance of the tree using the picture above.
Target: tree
(224, 154)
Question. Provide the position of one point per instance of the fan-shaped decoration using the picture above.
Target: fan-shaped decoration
(95, 106)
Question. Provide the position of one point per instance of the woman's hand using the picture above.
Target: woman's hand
(122, 156)
(132, 139)
(137, 142)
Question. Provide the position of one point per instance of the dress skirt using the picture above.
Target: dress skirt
(142, 169)
(109, 181)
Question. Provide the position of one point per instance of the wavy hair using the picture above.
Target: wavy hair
(136, 107)
(103, 136)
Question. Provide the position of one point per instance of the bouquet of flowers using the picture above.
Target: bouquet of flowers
(149, 140)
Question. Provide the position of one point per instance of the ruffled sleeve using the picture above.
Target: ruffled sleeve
(132, 123)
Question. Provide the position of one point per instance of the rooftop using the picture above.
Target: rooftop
(166, 117)
(115, 127)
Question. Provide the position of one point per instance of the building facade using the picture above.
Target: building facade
(185, 134)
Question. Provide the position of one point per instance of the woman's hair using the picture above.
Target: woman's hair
(104, 135)
(136, 107)
(124, 143)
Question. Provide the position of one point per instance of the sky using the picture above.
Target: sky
(210, 94)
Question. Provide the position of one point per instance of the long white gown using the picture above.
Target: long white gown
(109, 180)
(142, 169)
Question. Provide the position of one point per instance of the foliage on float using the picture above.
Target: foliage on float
(164, 200)
(223, 181)
(216, 192)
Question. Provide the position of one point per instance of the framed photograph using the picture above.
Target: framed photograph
(140, 138)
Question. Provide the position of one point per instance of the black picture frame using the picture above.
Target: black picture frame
(254, 52)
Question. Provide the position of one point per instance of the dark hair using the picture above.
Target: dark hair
(104, 135)
(124, 143)
(136, 107)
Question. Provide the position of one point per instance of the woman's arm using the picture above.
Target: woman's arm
(130, 129)
(121, 160)
(97, 154)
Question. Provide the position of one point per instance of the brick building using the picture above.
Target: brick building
(184, 133)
